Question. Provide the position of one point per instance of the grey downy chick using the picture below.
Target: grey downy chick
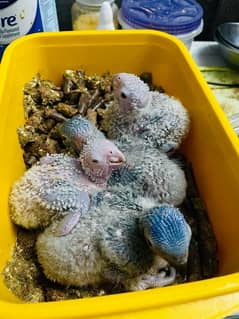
(148, 172)
(118, 245)
(60, 185)
(159, 119)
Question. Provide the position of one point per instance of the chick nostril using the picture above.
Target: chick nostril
(95, 161)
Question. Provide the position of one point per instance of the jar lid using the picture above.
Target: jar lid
(172, 16)
(93, 3)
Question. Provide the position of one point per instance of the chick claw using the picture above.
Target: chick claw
(163, 278)
(67, 224)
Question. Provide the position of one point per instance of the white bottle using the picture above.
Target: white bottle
(20, 17)
(106, 19)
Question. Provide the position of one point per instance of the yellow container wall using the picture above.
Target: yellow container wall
(212, 147)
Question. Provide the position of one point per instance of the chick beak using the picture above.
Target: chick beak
(180, 262)
(116, 161)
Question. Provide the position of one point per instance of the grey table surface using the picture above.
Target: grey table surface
(206, 53)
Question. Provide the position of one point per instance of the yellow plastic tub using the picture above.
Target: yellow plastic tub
(212, 147)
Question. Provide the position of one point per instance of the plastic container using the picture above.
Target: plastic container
(85, 14)
(212, 147)
(20, 17)
(180, 18)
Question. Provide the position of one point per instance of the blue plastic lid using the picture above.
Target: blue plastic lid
(172, 16)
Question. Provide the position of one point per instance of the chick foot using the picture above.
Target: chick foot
(163, 278)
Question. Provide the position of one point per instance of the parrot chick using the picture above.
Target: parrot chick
(149, 172)
(118, 246)
(60, 185)
(159, 119)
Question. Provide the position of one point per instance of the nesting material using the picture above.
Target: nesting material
(46, 106)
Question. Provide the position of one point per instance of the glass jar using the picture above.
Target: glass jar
(85, 14)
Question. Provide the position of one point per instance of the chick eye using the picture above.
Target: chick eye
(123, 95)
(149, 243)
(95, 161)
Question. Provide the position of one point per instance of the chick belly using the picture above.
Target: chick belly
(68, 262)
(171, 188)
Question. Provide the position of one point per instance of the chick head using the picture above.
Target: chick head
(78, 130)
(167, 233)
(99, 157)
(130, 91)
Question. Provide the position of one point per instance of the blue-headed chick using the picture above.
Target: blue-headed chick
(117, 245)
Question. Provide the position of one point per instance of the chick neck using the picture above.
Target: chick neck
(98, 179)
